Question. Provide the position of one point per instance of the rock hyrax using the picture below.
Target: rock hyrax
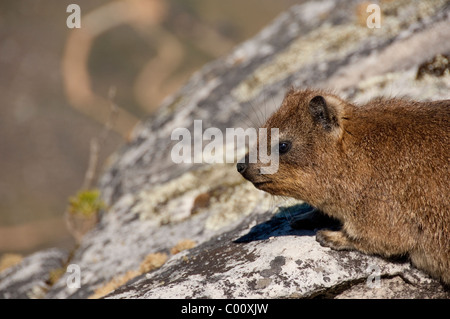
(381, 169)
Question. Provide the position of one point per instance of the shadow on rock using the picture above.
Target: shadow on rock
(296, 220)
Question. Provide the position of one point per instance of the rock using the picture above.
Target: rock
(245, 244)
(272, 260)
(156, 220)
(394, 288)
(30, 278)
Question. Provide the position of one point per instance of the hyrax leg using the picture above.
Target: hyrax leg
(337, 240)
(340, 240)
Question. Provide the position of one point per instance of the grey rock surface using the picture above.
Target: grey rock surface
(246, 247)
(29, 279)
(266, 258)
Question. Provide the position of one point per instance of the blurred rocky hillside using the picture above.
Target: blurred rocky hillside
(54, 88)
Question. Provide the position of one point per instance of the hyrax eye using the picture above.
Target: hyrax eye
(284, 147)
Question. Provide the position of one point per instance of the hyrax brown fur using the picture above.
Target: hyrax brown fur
(381, 169)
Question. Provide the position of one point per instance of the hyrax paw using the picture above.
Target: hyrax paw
(334, 240)
(323, 239)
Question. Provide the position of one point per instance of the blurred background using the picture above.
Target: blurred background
(61, 87)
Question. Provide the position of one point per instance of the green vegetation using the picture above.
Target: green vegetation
(86, 203)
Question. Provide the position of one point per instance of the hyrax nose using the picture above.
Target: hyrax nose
(241, 167)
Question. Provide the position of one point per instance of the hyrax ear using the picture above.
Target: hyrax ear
(323, 113)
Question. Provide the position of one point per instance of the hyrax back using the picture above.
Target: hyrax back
(382, 169)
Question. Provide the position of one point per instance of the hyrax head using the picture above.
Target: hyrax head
(309, 125)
